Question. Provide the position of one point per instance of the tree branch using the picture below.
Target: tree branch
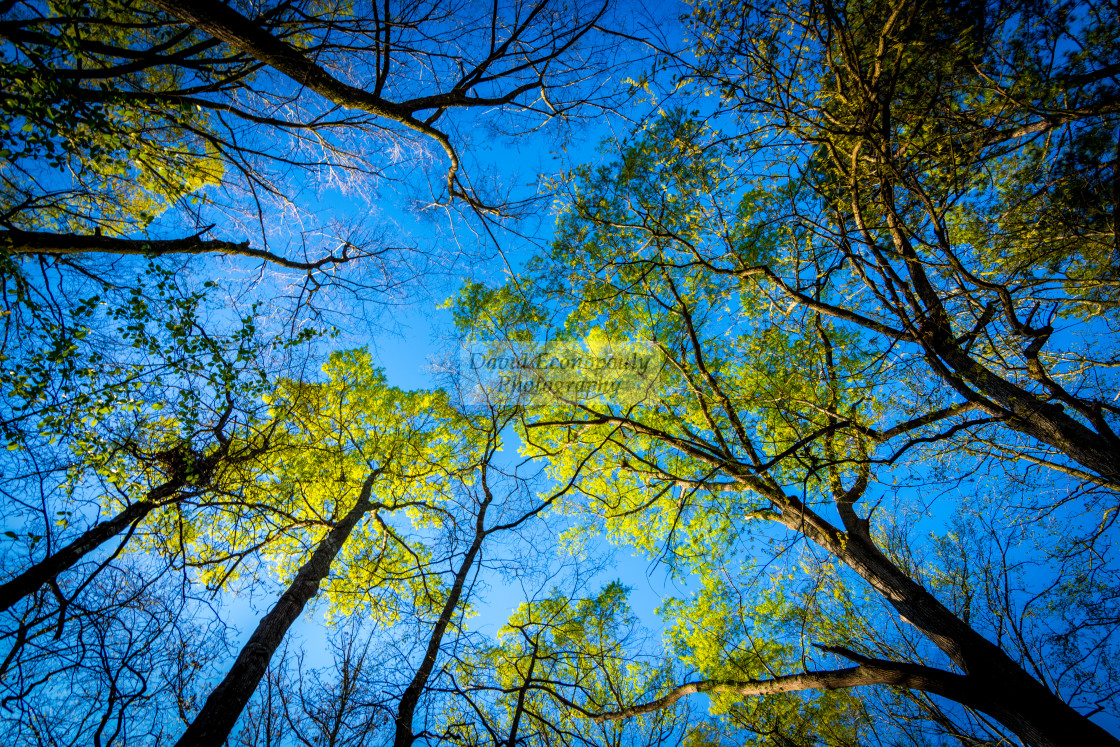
(32, 242)
(226, 24)
(869, 672)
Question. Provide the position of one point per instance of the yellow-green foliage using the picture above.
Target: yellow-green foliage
(329, 437)
(738, 632)
(114, 156)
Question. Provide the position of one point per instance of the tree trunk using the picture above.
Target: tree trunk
(1007, 692)
(1032, 415)
(405, 736)
(29, 581)
(213, 724)
(1028, 413)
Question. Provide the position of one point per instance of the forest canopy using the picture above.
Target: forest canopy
(770, 396)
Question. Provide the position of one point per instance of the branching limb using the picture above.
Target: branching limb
(32, 242)
(868, 672)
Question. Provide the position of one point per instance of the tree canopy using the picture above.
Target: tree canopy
(817, 351)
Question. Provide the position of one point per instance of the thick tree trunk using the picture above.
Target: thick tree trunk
(213, 724)
(1006, 692)
(994, 682)
(29, 581)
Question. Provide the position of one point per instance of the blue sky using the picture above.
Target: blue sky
(407, 330)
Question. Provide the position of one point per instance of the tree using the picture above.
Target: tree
(495, 506)
(130, 652)
(740, 435)
(126, 133)
(878, 276)
(356, 435)
(557, 661)
(117, 97)
(939, 152)
(134, 421)
(434, 502)
(905, 130)
(197, 435)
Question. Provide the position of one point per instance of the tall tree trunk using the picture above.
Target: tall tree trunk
(1007, 692)
(223, 707)
(34, 577)
(406, 709)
